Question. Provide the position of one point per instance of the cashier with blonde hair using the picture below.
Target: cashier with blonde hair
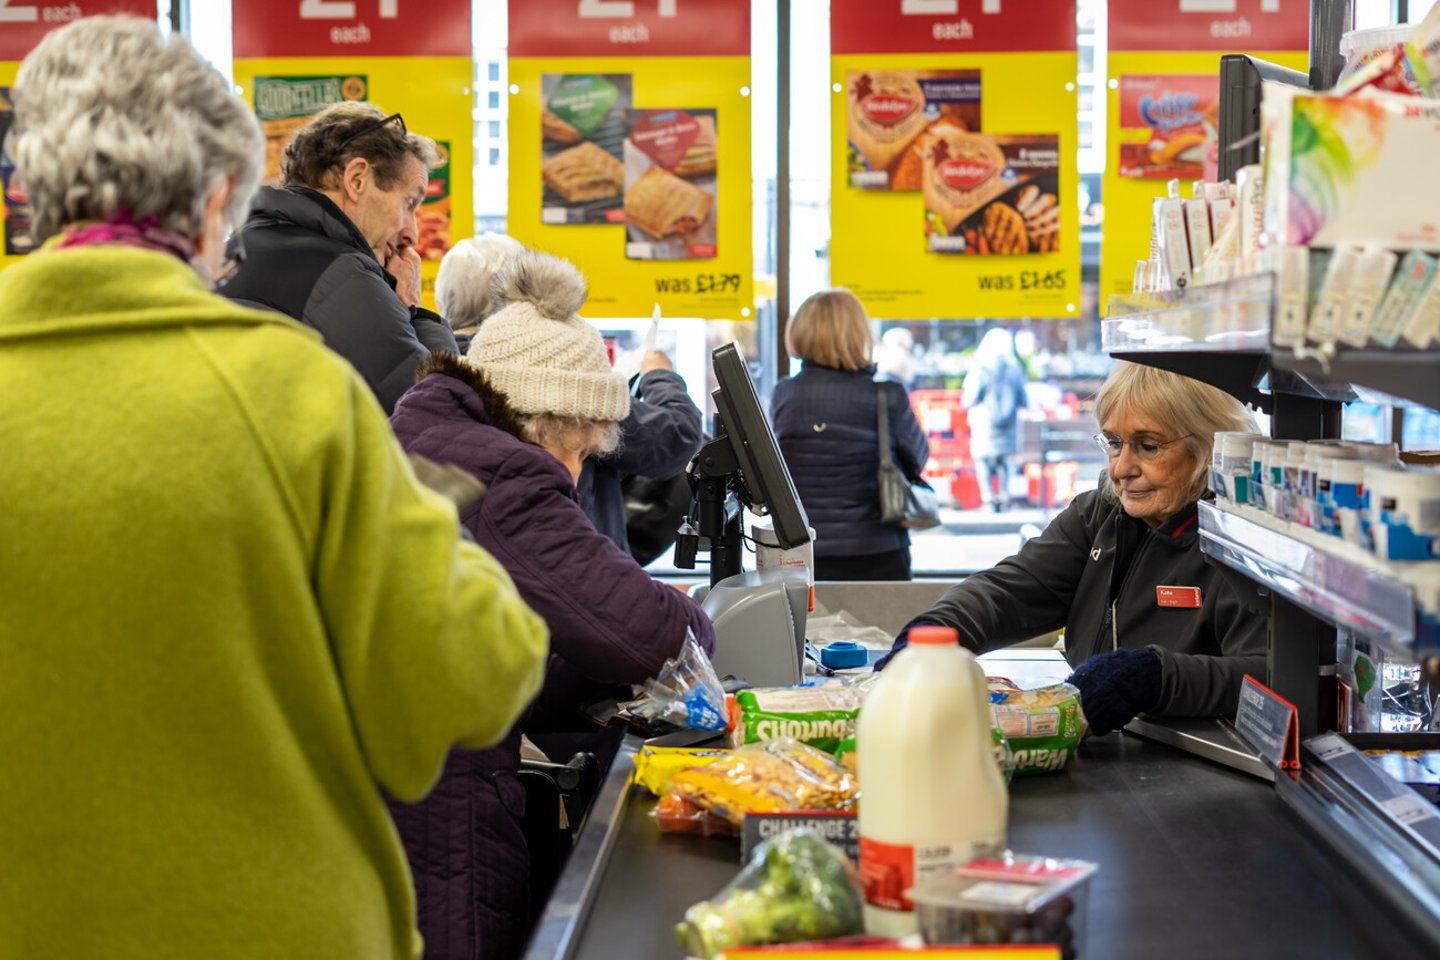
(1150, 625)
(825, 424)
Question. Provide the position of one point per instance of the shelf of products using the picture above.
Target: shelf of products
(1336, 582)
(1222, 317)
(1218, 334)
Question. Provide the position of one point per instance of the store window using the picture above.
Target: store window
(1062, 357)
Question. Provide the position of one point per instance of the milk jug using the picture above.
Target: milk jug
(931, 794)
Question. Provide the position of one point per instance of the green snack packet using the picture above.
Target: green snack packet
(820, 717)
(1041, 726)
(583, 100)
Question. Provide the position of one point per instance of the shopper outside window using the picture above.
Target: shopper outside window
(993, 394)
(825, 423)
(535, 397)
(329, 247)
(231, 615)
(1095, 568)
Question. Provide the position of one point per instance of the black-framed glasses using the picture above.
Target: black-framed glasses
(1144, 448)
(372, 127)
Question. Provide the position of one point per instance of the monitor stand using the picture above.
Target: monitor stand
(759, 622)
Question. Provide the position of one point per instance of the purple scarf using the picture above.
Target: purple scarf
(122, 229)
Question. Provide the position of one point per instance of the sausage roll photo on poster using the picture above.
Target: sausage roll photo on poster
(582, 129)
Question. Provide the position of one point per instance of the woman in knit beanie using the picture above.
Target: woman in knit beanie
(534, 396)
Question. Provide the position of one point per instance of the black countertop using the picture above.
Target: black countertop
(1196, 861)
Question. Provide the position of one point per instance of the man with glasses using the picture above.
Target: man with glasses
(333, 246)
(1150, 626)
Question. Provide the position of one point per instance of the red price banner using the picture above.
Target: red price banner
(352, 28)
(629, 28)
(951, 26)
(1225, 26)
(24, 24)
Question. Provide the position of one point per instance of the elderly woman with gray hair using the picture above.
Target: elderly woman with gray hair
(231, 615)
(1150, 626)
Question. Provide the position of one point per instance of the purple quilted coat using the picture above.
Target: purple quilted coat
(610, 623)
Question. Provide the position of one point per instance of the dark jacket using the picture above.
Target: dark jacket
(610, 623)
(824, 421)
(1094, 553)
(306, 259)
(658, 440)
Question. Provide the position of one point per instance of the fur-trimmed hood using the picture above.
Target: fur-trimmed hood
(497, 409)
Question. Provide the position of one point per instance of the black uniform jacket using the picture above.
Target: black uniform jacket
(1095, 572)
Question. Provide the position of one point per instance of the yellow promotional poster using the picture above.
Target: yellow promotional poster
(1163, 106)
(412, 62)
(630, 152)
(24, 26)
(954, 158)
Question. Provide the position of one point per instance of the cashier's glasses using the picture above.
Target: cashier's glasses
(1146, 449)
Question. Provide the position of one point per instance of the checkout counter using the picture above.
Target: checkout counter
(1197, 859)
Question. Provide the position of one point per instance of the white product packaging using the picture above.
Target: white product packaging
(1250, 180)
(935, 798)
(1174, 242)
(1404, 508)
(769, 554)
(1337, 485)
(1372, 276)
(1267, 474)
(1290, 472)
(1197, 227)
(1309, 506)
(1222, 211)
(1416, 272)
(1340, 495)
(1292, 295)
(1422, 325)
(1230, 465)
(1333, 305)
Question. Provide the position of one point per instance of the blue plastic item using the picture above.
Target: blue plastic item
(843, 654)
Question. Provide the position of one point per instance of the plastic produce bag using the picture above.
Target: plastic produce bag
(843, 626)
(686, 692)
(795, 888)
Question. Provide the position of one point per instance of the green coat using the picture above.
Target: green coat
(229, 617)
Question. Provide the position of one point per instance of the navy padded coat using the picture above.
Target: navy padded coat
(824, 421)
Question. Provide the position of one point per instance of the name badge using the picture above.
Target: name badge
(1178, 597)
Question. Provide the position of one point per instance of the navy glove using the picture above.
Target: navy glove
(1115, 686)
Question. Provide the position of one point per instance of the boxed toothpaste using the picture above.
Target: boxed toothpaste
(1352, 170)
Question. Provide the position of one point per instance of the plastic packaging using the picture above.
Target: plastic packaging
(796, 888)
(820, 716)
(675, 814)
(655, 766)
(934, 796)
(1041, 727)
(768, 777)
(1013, 898)
(686, 692)
(1230, 465)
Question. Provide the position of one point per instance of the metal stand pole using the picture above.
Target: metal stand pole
(782, 187)
(1329, 21)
